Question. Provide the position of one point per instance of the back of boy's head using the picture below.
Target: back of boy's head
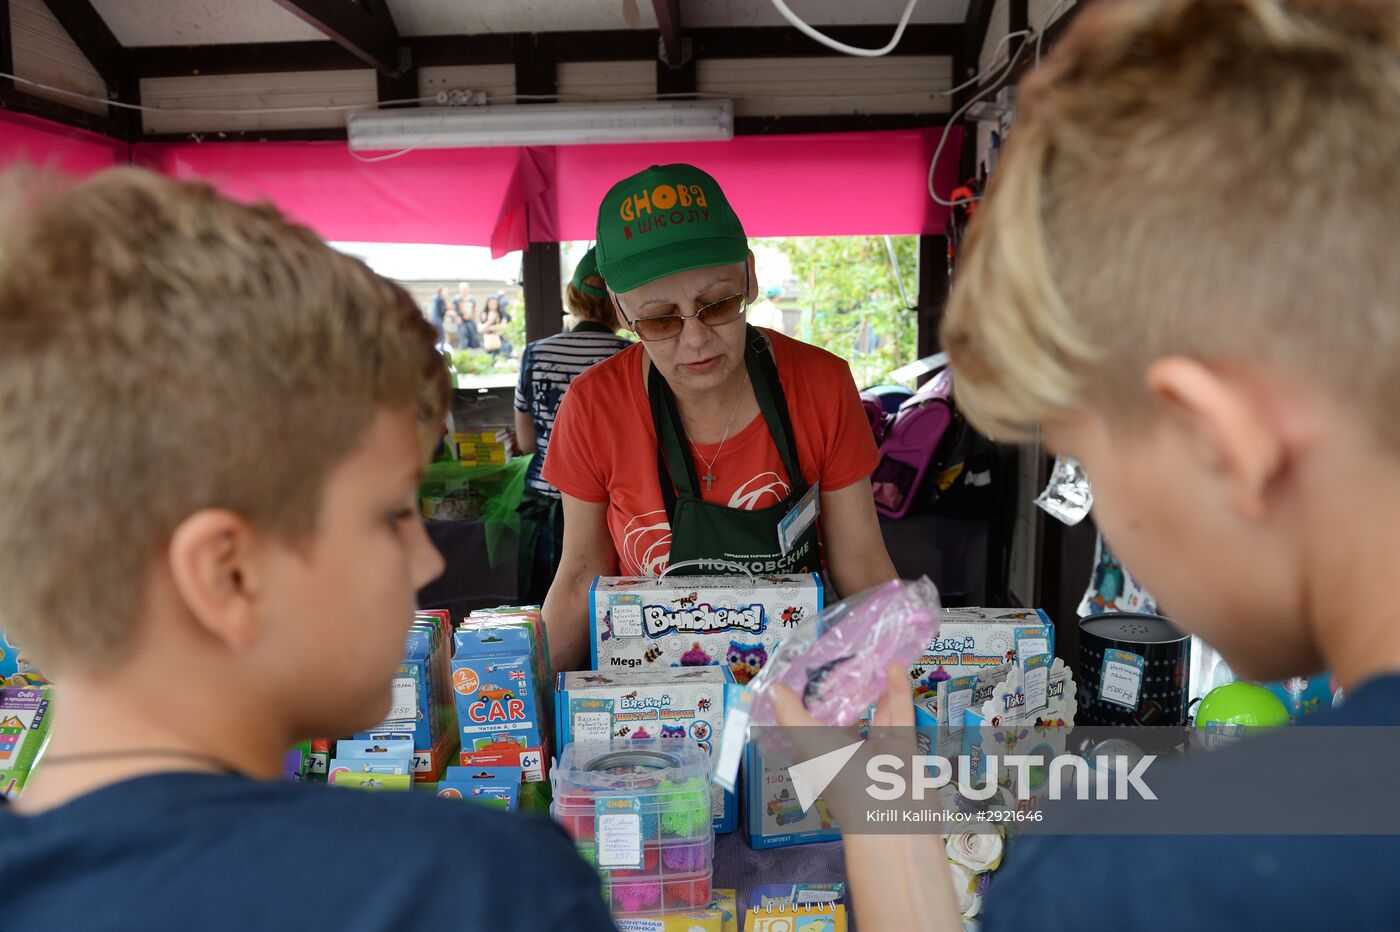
(164, 350)
(1211, 178)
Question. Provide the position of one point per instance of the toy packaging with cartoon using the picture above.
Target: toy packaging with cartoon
(16, 670)
(638, 623)
(497, 679)
(971, 640)
(639, 813)
(422, 705)
(679, 702)
(24, 724)
(499, 787)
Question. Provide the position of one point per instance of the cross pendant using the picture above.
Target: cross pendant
(709, 478)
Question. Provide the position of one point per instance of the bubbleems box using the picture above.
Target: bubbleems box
(673, 703)
(497, 686)
(639, 623)
(24, 724)
(421, 712)
(970, 640)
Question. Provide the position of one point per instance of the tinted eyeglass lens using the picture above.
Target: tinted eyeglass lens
(659, 328)
(722, 312)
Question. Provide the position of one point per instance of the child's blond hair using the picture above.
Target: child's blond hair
(164, 350)
(1213, 178)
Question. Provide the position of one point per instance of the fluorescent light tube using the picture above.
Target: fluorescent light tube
(541, 124)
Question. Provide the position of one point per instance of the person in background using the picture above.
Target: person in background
(766, 313)
(546, 369)
(289, 560)
(449, 334)
(439, 311)
(469, 331)
(493, 330)
(1183, 274)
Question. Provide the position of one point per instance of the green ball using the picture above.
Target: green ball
(1241, 704)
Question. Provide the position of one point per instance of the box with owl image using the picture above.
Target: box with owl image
(650, 623)
(676, 702)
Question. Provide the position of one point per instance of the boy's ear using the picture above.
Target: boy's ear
(1230, 433)
(752, 296)
(210, 558)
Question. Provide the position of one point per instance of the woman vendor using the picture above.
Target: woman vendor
(710, 439)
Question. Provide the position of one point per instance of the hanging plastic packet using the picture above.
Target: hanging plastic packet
(1068, 496)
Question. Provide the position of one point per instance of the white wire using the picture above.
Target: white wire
(996, 53)
(829, 42)
(933, 164)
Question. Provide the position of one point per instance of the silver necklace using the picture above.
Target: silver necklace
(709, 476)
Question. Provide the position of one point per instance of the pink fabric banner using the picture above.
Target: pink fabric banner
(447, 196)
(54, 146)
(832, 184)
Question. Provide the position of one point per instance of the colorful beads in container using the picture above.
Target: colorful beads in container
(639, 812)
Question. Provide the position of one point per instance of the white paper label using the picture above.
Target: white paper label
(1030, 647)
(592, 726)
(1121, 684)
(620, 840)
(404, 706)
(626, 616)
(1034, 687)
(957, 705)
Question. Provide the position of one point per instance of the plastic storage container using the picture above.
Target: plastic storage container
(666, 785)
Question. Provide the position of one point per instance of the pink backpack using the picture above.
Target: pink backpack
(908, 445)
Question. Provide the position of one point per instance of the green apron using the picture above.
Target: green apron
(703, 531)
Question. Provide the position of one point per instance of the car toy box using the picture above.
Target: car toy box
(971, 640)
(422, 703)
(499, 706)
(671, 703)
(639, 623)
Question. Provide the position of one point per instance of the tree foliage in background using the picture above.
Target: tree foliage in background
(850, 300)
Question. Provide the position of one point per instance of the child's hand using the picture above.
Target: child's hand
(891, 733)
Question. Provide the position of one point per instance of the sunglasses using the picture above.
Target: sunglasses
(669, 326)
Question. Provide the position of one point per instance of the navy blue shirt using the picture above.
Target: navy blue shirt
(214, 853)
(1232, 882)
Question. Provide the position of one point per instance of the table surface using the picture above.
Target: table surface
(740, 867)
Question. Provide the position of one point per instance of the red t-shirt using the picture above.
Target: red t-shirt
(603, 448)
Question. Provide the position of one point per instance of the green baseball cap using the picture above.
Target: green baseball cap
(587, 268)
(664, 220)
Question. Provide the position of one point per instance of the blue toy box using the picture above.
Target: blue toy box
(494, 684)
(679, 702)
(421, 711)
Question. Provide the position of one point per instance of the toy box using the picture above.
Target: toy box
(496, 681)
(494, 786)
(639, 813)
(24, 724)
(639, 623)
(772, 816)
(422, 705)
(664, 703)
(16, 671)
(970, 640)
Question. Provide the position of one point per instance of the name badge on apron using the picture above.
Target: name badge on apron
(802, 516)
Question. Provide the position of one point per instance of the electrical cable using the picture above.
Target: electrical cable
(831, 43)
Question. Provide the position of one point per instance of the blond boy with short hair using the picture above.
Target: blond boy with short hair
(211, 544)
(1185, 274)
